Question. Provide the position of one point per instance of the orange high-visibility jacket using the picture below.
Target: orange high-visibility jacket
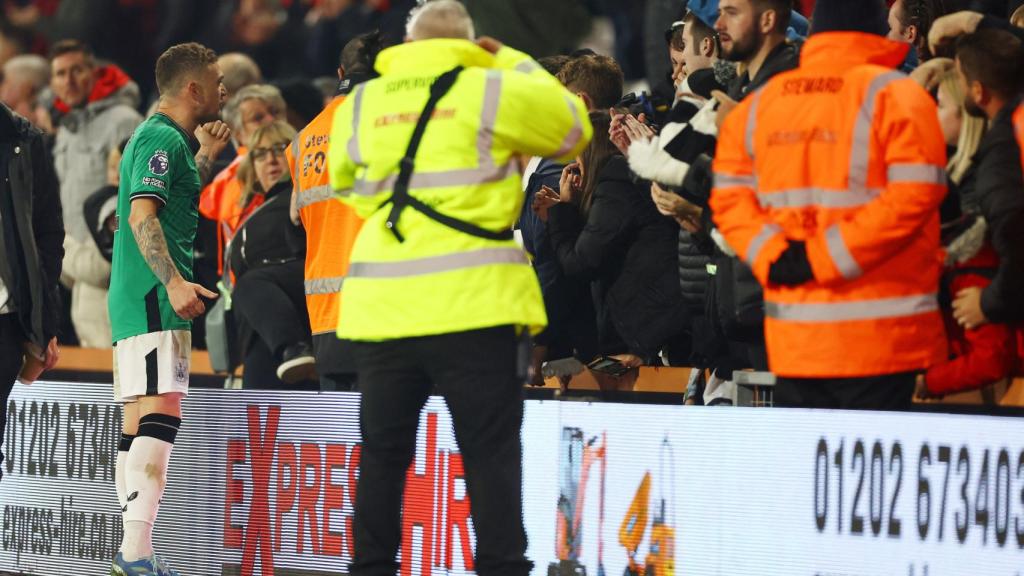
(845, 154)
(1018, 127)
(219, 202)
(331, 227)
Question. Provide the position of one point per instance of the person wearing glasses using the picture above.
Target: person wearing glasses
(266, 258)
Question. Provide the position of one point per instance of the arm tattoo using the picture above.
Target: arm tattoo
(150, 237)
(204, 165)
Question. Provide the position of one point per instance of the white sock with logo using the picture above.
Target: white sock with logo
(119, 473)
(145, 477)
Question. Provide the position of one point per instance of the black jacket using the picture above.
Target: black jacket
(1000, 195)
(735, 305)
(785, 56)
(267, 236)
(694, 257)
(629, 250)
(33, 247)
(571, 329)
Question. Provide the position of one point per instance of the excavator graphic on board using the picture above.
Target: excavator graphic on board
(574, 473)
(578, 457)
(662, 543)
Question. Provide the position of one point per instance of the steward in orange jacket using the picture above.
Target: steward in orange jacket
(1018, 127)
(331, 227)
(828, 183)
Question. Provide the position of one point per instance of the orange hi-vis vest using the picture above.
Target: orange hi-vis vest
(845, 154)
(1018, 128)
(219, 202)
(331, 227)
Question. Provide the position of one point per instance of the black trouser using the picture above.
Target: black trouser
(481, 374)
(261, 371)
(887, 392)
(272, 301)
(334, 363)
(12, 354)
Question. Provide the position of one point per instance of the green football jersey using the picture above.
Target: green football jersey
(159, 162)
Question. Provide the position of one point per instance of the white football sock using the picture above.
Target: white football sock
(145, 477)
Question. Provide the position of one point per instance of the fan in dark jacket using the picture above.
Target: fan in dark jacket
(31, 251)
(267, 258)
(612, 234)
(991, 60)
(571, 331)
(664, 160)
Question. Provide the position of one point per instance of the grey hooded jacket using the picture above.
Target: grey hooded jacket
(85, 137)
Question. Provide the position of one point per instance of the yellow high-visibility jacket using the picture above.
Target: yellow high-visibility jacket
(440, 280)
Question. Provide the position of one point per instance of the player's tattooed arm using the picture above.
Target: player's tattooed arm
(150, 237)
(204, 164)
(212, 137)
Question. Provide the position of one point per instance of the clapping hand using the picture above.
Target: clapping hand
(618, 132)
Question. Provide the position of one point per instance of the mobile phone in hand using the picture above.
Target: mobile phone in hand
(608, 365)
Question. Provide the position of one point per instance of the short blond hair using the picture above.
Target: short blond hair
(180, 63)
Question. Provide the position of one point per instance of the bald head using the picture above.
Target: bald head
(440, 19)
(239, 71)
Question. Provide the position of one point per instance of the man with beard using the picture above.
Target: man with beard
(751, 33)
(152, 296)
(989, 63)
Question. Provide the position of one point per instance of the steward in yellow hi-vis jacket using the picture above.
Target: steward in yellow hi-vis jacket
(440, 279)
(438, 297)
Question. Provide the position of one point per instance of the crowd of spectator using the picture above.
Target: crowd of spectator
(637, 244)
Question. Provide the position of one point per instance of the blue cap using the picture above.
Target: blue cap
(798, 27)
(706, 10)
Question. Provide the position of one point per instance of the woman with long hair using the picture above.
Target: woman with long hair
(604, 226)
(985, 354)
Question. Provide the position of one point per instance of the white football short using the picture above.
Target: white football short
(151, 364)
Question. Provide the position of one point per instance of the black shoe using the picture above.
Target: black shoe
(297, 364)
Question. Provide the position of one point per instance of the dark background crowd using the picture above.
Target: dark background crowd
(630, 266)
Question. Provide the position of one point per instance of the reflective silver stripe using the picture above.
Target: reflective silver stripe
(324, 285)
(295, 164)
(732, 181)
(575, 133)
(860, 151)
(840, 254)
(313, 195)
(917, 173)
(464, 177)
(752, 122)
(527, 66)
(768, 231)
(488, 116)
(850, 311)
(436, 264)
(816, 197)
(353, 141)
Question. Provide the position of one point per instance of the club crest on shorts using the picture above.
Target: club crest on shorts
(180, 371)
(159, 163)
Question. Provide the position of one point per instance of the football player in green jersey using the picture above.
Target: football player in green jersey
(152, 295)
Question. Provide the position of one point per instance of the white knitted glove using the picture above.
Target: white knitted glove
(650, 162)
